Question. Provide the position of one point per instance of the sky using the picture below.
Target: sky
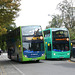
(36, 12)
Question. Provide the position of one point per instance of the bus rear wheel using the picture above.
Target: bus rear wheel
(17, 57)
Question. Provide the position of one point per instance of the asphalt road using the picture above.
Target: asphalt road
(44, 67)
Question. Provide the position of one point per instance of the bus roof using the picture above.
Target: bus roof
(56, 29)
(30, 25)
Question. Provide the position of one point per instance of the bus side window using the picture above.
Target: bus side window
(47, 33)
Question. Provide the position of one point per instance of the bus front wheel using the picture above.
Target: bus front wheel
(37, 60)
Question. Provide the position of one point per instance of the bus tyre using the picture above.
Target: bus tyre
(45, 57)
(17, 57)
(10, 56)
(37, 60)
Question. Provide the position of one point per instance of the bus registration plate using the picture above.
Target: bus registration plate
(34, 59)
(61, 57)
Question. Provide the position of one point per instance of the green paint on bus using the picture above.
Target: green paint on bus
(57, 43)
(25, 43)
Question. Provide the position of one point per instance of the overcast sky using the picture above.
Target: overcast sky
(35, 12)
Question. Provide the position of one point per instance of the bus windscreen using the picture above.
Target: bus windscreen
(60, 40)
(61, 47)
(33, 46)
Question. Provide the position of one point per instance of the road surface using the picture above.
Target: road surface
(44, 67)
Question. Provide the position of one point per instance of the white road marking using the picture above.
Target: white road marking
(13, 65)
(18, 69)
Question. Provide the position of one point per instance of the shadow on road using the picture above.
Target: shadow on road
(56, 59)
(7, 62)
(73, 60)
(67, 65)
(30, 62)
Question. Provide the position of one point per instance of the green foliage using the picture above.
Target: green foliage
(3, 46)
(2, 30)
(3, 42)
(8, 12)
(56, 22)
(72, 34)
(66, 19)
(67, 11)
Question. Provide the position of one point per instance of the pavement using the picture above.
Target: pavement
(72, 59)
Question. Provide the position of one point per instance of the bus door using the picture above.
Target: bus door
(47, 43)
(48, 49)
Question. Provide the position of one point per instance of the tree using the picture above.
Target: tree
(2, 30)
(8, 12)
(72, 33)
(66, 19)
(66, 9)
(56, 22)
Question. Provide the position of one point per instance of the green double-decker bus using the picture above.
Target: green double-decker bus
(25, 43)
(57, 43)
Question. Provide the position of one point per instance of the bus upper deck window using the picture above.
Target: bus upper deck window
(47, 33)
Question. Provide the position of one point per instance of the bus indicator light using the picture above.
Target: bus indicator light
(46, 42)
(71, 44)
(19, 46)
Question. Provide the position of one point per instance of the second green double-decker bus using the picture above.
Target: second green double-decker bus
(57, 43)
(25, 43)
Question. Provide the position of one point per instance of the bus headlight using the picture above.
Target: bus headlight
(25, 56)
(42, 54)
(67, 53)
(41, 37)
(54, 54)
(71, 44)
(67, 39)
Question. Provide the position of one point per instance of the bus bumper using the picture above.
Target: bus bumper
(33, 59)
